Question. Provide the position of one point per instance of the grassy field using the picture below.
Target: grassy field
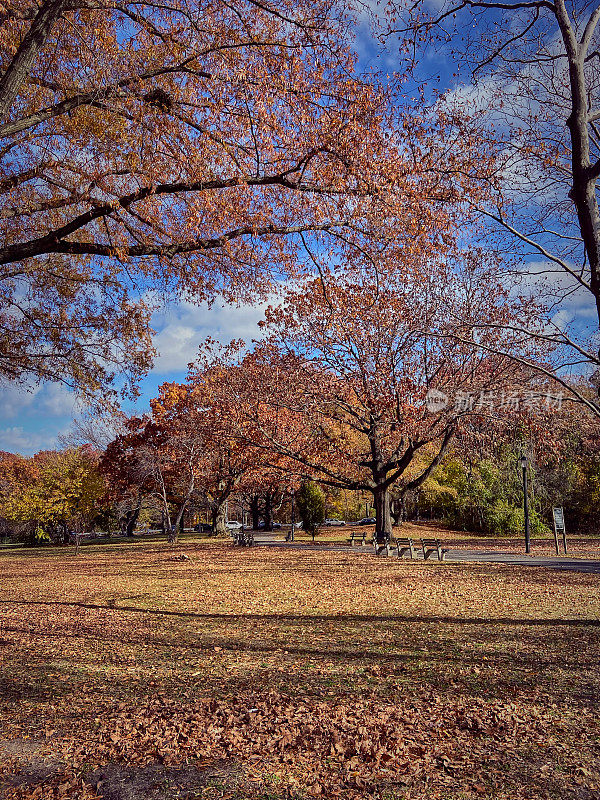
(131, 672)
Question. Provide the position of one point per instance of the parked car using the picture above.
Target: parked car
(333, 523)
(367, 521)
(274, 525)
(204, 527)
(233, 525)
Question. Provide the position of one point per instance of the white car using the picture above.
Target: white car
(332, 523)
(233, 525)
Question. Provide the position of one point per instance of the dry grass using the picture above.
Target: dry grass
(255, 673)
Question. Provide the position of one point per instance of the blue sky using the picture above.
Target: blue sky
(32, 419)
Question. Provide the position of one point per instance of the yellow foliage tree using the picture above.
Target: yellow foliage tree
(54, 492)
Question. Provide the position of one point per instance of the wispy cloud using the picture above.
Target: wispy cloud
(182, 327)
(47, 399)
(16, 439)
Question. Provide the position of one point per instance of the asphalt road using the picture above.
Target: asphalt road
(483, 556)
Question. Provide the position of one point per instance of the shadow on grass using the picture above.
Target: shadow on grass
(302, 618)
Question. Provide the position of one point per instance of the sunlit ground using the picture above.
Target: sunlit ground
(264, 673)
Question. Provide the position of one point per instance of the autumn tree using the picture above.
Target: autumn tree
(128, 466)
(182, 148)
(55, 492)
(180, 453)
(365, 349)
(311, 506)
(528, 83)
(232, 464)
(156, 459)
(268, 488)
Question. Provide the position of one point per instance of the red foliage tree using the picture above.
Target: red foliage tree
(345, 384)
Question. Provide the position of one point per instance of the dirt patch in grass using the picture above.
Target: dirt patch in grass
(264, 673)
(23, 764)
(157, 782)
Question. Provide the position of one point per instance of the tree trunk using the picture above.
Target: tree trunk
(268, 511)
(254, 510)
(24, 59)
(218, 518)
(398, 511)
(383, 518)
(584, 174)
(131, 518)
(179, 522)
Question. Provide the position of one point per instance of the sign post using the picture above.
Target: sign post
(526, 504)
(559, 528)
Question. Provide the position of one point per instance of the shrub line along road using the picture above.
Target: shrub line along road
(521, 560)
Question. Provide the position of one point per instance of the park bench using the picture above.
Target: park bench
(407, 545)
(361, 535)
(243, 538)
(431, 546)
(404, 546)
(286, 536)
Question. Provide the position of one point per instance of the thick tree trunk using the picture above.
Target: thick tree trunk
(383, 517)
(218, 518)
(168, 528)
(22, 63)
(398, 511)
(179, 522)
(254, 511)
(131, 519)
(171, 532)
(268, 516)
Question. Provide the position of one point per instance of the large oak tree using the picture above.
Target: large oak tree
(346, 382)
(179, 147)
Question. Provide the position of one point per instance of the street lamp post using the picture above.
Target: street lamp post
(293, 516)
(526, 503)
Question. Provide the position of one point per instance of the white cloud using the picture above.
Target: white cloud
(182, 327)
(17, 440)
(55, 400)
(47, 399)
(15, 399)
(572, 302)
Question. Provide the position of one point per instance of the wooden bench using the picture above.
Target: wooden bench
(362, 535)
(407, 545)
(431, 546)
(404, 546)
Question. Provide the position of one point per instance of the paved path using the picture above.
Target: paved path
(485, 556)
